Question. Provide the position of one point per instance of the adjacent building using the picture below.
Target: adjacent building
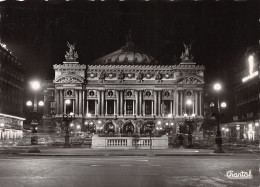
(124, 92)
(11, 95)
(247, 98)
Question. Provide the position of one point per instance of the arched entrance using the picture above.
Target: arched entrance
(109, 128)
(128, 128)
(146, 127)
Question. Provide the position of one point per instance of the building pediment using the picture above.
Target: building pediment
(190, 80)
(69, 78)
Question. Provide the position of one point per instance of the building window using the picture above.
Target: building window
(110, 106)
(166, 107)
(148, 107)
(91, 106)
(69, 106)
(129, 107)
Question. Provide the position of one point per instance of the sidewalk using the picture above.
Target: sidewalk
(60, 151)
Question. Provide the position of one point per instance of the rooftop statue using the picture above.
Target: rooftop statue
(187, 55)
(71, 54)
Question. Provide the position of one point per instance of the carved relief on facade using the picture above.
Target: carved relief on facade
(91, 93)
(147, 93)
(129, 94)
(167, 75)
(102, 76)
(189, 93)
(148, 75)
(70, 79)
(158, 77)
(69, 93)
(166, 94)
(110, 93)
(92, 75)
(189, 80)
(121, 76)
(139, 77)
(130, 75)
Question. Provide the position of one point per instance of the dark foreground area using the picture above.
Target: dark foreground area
(131, 171)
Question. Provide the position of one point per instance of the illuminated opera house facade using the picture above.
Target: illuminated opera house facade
(123, 92)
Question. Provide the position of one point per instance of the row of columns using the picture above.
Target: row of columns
(178, 105)
(10, 134)
(77, 102)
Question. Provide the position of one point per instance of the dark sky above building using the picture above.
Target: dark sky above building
(220, 32)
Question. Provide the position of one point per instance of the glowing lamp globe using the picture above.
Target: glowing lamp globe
(28, 103)
(67, 101)
(188, 102)
(41, 103)
(35, 85)
(223, 104)
(217, 87)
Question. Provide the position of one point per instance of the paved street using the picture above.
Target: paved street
(70, 171)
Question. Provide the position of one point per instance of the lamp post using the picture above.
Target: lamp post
(68, 118)
(189, 119)
(150, 128)
(36, 86)
(218, 139)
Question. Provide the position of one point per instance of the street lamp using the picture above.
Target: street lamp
(68, 118)
(35, 86)
(189, 119)
(218, 139)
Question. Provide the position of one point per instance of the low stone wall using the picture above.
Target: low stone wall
(129, 142)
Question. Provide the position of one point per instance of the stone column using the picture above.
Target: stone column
(118, 102)
(61, 102)
(181, 103)
(200, 103)
(105, 108)
(136, 103)
(174, 103)
(155, 103)
(133, 107)
(177, 103)
(171, 107)
(57, 101)
(124, 106)
(141, 102)
(115, 107)
(98, 103)
(122, 102)
(96, 107)
(80, 102)
(196, 102)
(76, 102)
(152, 107)
(87, 108)
(159, 102)
(102, 102)
(83, 103)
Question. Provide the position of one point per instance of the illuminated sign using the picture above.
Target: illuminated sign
(251, 67)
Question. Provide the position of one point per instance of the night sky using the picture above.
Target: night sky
(220, 32)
